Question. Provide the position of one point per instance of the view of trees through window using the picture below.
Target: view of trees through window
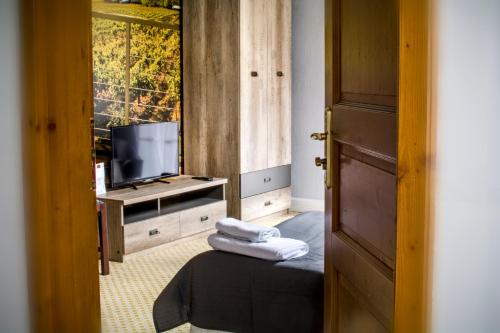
(137, 63)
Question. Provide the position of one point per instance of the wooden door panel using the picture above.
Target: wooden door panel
(280, 75)
(362, 87)
(366, 274)
(366, 127)
(354, 316)
(254, 74)
(368, 49)
(367, 207)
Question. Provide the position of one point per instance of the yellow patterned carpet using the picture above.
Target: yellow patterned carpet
(128, 293)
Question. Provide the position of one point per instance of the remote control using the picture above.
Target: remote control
(207, 179)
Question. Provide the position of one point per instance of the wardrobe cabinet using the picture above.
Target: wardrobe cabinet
(237, 98)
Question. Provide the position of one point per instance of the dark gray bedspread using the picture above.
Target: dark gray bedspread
(230, 292)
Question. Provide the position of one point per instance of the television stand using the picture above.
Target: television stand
(159, 212)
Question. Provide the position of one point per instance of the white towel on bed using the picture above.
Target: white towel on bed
(274, 249)
(246, 231)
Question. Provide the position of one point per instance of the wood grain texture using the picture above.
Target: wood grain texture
(355, 317)
(211, 92)
(178, 185)
(226, 108)
(332, 97)
(254, 99)
(60, 205)
(137, 235)
(266, 204)
(412, 269)
(114, 211)
(369, 51)
(361, 59)
(280, 80)
(371, 281)
(202, 218)
(368, 208)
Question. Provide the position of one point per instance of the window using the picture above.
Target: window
(136, 64)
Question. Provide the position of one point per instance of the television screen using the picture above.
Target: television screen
(143, 152)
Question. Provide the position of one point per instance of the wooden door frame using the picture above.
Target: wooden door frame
(64, 290)
(412, 282)
(59, 200)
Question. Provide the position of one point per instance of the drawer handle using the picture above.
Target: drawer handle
(267, 180)
(154, 232)
(254, 74)
(204, 218)
(268, 203)
(280, 74)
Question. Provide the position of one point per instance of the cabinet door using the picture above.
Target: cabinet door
(280, 78)
(254, 84)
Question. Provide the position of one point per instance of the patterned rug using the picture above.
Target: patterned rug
(128, 293)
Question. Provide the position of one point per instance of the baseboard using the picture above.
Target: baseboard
(303, 205)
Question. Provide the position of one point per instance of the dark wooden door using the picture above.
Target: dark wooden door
(362, 88)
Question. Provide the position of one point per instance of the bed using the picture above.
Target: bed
(229, 292)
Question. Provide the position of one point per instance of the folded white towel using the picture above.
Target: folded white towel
(274, 249)
(246, 231)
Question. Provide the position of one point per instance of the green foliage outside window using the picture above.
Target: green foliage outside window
(155, 73)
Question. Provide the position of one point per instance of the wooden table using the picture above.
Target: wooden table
(103, 236)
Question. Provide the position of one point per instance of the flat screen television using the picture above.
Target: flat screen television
(144, 152)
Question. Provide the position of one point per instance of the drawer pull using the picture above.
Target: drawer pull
(267, 180)
(154, 232)
(254, 74)
(204, 218)
(280, 74)
(268, 203)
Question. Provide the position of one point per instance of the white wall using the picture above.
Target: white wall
(13, 295)
(308, 102)
(466, 291)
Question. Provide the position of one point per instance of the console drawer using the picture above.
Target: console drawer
(263, 181)
(202, 218)
(152, 232)
(266, 204)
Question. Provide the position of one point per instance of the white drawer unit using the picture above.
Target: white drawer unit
(266, 204)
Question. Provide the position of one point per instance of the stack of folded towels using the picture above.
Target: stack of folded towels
(248, 239)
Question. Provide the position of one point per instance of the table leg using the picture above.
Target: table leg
(103, 239)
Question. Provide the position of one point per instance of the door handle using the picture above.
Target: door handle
(319, 136)
(326, 163)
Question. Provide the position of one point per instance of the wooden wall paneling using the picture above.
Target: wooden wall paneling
(211, 92)
(280, 79)
(60, 204)
(412, 267)
(254, 89)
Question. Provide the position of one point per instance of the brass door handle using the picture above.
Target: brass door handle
(319, 136)
(326, 163)
(320, 162)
